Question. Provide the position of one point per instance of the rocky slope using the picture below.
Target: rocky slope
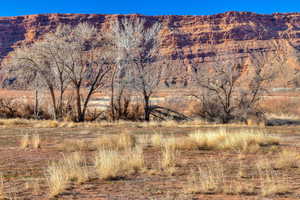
(184, 37)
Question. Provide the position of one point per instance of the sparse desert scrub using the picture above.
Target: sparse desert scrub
(287, 159)
(245, 139)
(36, 141)
(57, 178)
(24, 142)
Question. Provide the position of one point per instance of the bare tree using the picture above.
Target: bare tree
(39, 66)
(139, 60)
(87, 63)
(231, 87)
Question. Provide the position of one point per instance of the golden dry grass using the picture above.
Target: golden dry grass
(169, 159)
(111, 164)
(24, 142)
(287, 159)
(223, 139)
(2, 193)
(117, 142)
(57, 179)
(36, 141)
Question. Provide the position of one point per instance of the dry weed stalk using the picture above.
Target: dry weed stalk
(2, 193)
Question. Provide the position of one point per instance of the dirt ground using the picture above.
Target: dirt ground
(24, 169)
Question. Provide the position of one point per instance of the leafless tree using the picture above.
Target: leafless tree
(139, 60)
(71, 57)
(87, 63)
(39, 66)
(231, 87)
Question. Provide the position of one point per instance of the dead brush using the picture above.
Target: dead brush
(24, 142)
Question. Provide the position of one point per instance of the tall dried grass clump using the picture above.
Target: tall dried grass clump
(287, 159)
(57, 179)
(156, 140)
(245, 140)
(70, 168)
(180, 143)
(24, 143)
(111, 164)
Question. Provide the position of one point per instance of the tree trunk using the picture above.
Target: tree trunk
(53, 102)
(147, 110)
(80, 117)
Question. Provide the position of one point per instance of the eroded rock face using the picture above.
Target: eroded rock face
(183, 37)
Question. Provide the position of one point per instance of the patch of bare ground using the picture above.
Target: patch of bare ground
(155, 161)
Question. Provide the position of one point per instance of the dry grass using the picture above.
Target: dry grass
(76, 167)
(169, 159)
(156, 140)
(36, 141)
(287, 159)
(223, 139)
(71, 145)
(57, 179)
(208, 179)
(109, 164)
(24, 142)
(70, 168)
(2, 193)
(117, 142)
(272, 183)
(180, 143)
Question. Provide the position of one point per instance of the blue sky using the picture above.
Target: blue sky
(150, 7)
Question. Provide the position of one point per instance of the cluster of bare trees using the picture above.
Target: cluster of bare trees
(82, 61)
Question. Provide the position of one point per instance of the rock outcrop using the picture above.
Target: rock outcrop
(184, 37)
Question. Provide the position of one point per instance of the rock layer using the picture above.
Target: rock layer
(183, 37)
